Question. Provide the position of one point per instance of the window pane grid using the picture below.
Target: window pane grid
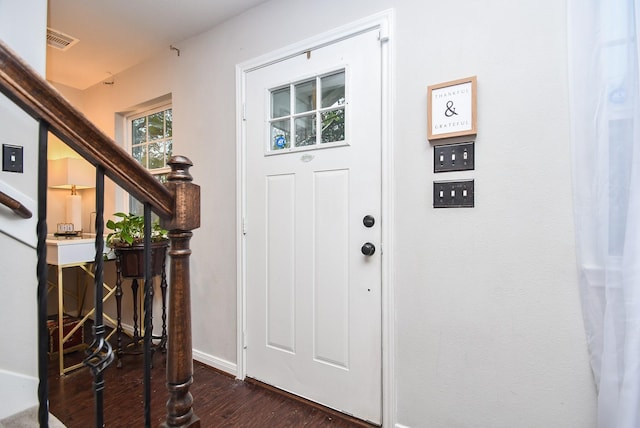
(308, 113)
(281, 102)
(151, 139)
(151, 144)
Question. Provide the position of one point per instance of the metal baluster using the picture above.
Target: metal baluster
(99, 353)
(41, 229)
(163, 289)
(148, 295)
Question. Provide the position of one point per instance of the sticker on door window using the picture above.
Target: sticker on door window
(308, 114)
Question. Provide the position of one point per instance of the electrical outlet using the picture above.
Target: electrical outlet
(453, 194)
(12, 158)
(454, 157)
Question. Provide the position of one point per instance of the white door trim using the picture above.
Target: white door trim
(381, 22)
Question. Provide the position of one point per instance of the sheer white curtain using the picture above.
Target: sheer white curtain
(605, 116)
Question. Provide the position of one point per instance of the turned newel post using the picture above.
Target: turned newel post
(179, 355)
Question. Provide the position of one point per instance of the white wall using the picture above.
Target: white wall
(488, 319)
(22, 28)
(488, 324)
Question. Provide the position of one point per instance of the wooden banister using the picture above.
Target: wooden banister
(177, 203)
(16, 206)
(25, 87)
(179, 357)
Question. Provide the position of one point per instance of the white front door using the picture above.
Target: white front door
(313, 201)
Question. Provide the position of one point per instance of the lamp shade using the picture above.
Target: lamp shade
(65, 173)
(72, 173)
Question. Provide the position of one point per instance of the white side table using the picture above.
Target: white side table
(62, 253)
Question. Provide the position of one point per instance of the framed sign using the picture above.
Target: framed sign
(451, 108)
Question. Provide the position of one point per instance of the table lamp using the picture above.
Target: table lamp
(74, 174)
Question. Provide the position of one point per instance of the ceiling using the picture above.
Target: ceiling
(117, 34)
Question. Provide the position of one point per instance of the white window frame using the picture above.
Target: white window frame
(128, 118)
(317, 111)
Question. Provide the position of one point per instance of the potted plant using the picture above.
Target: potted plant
(127, 240)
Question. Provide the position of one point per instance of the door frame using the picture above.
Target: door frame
(381, 22)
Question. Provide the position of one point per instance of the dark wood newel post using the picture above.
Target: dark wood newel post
(179, 355)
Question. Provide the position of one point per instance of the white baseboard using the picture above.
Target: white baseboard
(204, 358)
(215, 362)
(401, 426)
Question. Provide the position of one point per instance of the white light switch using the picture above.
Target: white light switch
(453, 194)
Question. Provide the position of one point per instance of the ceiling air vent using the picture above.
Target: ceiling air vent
(59, 40)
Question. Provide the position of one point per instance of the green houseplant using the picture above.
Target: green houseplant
(129, 231)
(127, 241)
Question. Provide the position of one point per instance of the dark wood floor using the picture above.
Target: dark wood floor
(219, 400)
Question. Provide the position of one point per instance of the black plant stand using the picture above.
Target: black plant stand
(134, 347)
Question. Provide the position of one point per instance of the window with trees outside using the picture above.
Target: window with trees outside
(309, 114)
(151, 143)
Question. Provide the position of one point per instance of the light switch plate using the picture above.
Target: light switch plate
(12, 158)
(453, 194)
(454, 157)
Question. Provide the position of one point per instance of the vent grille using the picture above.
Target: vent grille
(59, 40)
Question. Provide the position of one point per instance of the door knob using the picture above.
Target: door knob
(368, 220)
(368, 249)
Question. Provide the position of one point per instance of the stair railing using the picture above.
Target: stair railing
(177, 203)
(15, 205)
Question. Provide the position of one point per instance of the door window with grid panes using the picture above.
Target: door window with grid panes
(309, 114)
(151, 143)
